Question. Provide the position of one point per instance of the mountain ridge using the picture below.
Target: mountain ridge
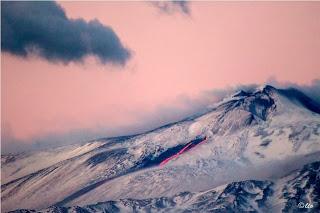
(248, 135)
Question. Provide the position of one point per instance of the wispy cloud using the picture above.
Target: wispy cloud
(182, 107)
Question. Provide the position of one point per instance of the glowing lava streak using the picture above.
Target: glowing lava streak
(189, 146)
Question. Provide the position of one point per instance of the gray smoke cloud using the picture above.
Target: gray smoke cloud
(312, 90)
(42, 28)
(170, 7)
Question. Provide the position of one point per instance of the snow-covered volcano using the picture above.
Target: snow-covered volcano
(246, 146)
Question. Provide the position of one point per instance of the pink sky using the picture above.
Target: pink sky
(221, 44)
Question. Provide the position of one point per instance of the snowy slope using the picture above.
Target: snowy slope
(262, 135)
(283, 194)
(25, 163)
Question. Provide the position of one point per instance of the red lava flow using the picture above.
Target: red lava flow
(184, 149)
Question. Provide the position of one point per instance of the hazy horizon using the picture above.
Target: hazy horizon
(158, 64)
